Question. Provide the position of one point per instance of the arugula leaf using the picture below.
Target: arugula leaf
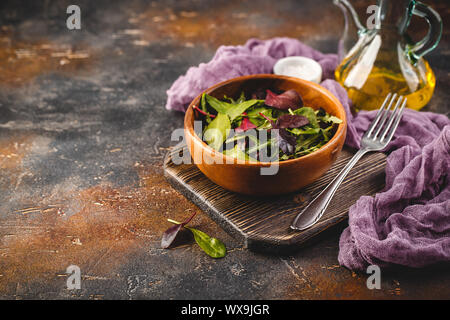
(217, 131)
(241, 97)
(212, 246)
(333, 119)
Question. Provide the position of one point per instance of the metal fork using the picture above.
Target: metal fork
(376, 138)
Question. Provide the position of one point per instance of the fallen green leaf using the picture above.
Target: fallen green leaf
(212, 246)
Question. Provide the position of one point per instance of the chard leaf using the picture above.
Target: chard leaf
(212, 246)
(289, 99)
(245, 125)
(217, 131)
(291, 121)
(170, 234)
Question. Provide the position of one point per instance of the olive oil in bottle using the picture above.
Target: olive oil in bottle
(383, 80)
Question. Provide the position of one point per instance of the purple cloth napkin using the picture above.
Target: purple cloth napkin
(406, 224)
(256, 56)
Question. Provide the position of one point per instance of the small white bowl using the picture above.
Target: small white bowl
(299, 67)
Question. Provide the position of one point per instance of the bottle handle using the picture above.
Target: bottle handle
(433, 36)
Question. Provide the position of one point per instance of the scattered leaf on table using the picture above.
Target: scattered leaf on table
(170, 234)
(212, 246)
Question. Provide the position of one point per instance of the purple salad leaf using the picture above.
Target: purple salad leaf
(285, 141)
(291, 121)
(170, 234)
(259, 94)
(289, 99)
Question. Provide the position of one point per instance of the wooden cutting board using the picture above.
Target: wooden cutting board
(262, 223)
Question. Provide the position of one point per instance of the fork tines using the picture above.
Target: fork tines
(387, 120)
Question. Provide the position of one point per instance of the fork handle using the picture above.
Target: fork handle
(315, 209)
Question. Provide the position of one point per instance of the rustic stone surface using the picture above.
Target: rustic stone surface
(83, 132)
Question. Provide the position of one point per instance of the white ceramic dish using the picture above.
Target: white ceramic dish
(299, 67)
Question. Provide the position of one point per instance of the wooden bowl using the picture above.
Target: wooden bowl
(246, 177)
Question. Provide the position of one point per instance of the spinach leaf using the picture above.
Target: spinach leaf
(212, 246)
(254, 116)
(254, 112)
(216, 104)
(217, 131)
(235, 110)
(204, 108)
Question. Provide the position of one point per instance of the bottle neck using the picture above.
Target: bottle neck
(395, 13)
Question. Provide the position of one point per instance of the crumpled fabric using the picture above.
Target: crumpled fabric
(408, 223)
(255, 57)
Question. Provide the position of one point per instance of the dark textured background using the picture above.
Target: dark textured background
(83, 131)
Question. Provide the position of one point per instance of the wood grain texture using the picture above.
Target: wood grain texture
(262, 223)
